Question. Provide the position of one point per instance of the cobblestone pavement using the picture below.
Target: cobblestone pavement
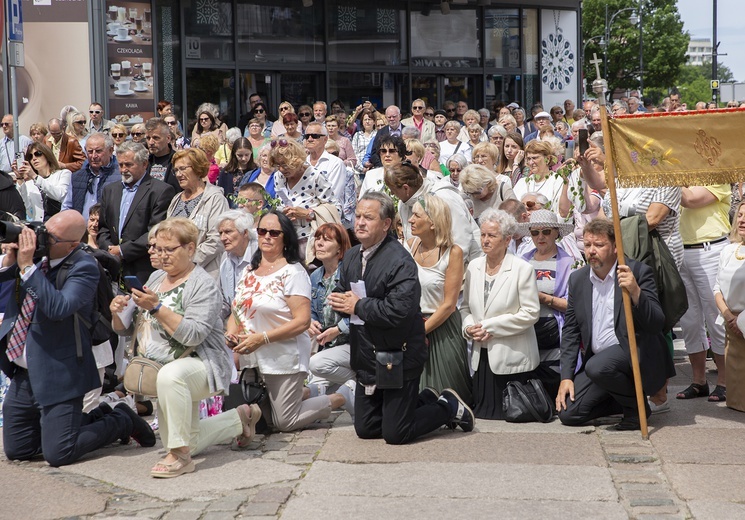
(685, 470)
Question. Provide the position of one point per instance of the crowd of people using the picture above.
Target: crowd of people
(402, 267)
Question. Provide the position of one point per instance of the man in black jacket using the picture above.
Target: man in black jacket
(392, 322)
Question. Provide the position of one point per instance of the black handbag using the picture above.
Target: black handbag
(389, 369)
(250, 389)
(526, 403)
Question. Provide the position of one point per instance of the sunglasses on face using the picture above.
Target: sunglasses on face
(545, 232)
(117, 134)
(429, 114)
(388, 151)
(171, 123)
(304, 114)
(417, 108)
(94, 111)
(313, 136)
(138, 134)
(283, 109)
(204, 119)
(37, 153)
(259, 111)
(274, 233)
(74, 122)
(6, 124)
(449, 110)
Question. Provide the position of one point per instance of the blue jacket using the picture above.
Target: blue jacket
(55, 372)
(318, 301)
(79, 183)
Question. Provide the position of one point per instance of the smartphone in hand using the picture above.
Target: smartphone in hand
(134, 283)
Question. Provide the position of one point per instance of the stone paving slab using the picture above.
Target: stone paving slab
(459, 480)
(69, 500)
(457, 446)
(361, 508)
(716, 510)
(707, 481)
(218, 470)
(718, 446)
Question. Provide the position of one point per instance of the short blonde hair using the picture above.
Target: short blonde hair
(121, 128)
(542, 147)
(208, 143)
(471, 113)
(491, 149)
(452, 124)
(475, 177)
(507, 119)
(180, 228)
(293, 154)
(198, 159)
(416, 147)
(438, 213)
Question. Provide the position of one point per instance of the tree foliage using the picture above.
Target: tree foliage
(694, 83)
(665, 42)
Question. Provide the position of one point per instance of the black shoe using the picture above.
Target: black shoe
(429, 395)
(463, 415)
(628, 424)
(144, 408)
(141, 430)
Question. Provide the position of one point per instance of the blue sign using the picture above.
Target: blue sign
(15, 21)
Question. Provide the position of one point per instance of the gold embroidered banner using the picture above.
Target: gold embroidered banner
(680, 148)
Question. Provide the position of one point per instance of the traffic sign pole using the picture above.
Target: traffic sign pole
(14, 53)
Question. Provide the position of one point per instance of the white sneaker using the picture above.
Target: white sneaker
(347, 390)
(659, 408)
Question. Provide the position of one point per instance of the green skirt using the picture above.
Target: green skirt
(447, 365)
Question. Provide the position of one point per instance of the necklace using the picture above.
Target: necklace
(424, 256)
(492, 270)
(737, 253)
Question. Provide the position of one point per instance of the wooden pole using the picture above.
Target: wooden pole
(610, 180)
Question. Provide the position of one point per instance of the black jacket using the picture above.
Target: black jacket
(390, 311)
(10, 199)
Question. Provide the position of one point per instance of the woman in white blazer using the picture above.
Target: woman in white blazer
(500, 307)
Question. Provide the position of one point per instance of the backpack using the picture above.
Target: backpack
(100, 326)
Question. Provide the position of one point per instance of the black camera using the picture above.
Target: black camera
(9, 232)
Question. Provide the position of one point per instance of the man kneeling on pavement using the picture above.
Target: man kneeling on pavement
(595, 323)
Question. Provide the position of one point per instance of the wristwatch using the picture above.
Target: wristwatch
(26, 268)
(311, 214)
(156, 308)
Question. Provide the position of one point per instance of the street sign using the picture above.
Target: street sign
(715, 84)
(15, 20)
(15, 54)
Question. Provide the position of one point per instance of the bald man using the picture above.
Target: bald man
(43, 410)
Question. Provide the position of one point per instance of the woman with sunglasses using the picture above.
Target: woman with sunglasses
(484, 188)
(207, 125)
(179, 309)
(305, 116)
(440, 266)
(137, 132)
(552, 266)
(180, 141)
(456, 164)
(271, 316)
(239, 167)
(511, 157)
(200, 202)
(278, 127)
(77, 127)
(363, 137)
(302, 189)
(119, 134)
(45, 185)
(259, 113)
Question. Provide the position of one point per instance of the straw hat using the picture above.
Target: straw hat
(544, 218)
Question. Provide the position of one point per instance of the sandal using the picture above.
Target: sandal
(719, 395)
(182, 464)
(249, 415)
(693, 391)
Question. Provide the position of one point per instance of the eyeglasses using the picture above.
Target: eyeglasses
(151, 247)
(449, 110)
(280, 142)
(172, 123)
(259, 111)
(431, 145)
(417, 108)
(304, 114)
(274, 233)
(117, 134)
(545, 232)
(283, 109)
(182, 169)
(313, 136)
(138, 134)
(94, 111)
(388, 151)
(74, 122)
(530, 204)
(167, 251)
(204, 118)
(6, 124)
(37, 153)
(429, 114)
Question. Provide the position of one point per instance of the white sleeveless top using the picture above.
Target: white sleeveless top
(432, 280)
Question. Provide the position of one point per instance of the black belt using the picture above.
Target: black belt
(702, 245)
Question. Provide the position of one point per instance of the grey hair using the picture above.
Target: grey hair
(460, 160)
(387, 208)
(108, 141)
(506, 222)
(597, 138)
(208, 107)
(497, 129)
(540, 198)
(638, 101)
(521, 110)
(153, 231)
(620, 103)
(242, 220)
(319, 125)
(579, 125)
(484, 112)
(232, 134)
(322, 103)
(410, 131)
(140, 152)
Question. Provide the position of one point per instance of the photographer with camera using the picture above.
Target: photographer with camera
(39, 352)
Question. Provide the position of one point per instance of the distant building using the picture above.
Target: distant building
(699, 51)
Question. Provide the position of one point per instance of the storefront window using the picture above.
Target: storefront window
(213, 86)
(449, 41)
(381, 88)
(363, 34)
(280, 31)
(502, 41)
(531, 57)
(208, 28)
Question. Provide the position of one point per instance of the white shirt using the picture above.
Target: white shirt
(335, 172)
(8, 151)
(603, 299)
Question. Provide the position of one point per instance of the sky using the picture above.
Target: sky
(698, 18)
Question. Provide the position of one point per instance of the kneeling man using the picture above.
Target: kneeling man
(604, 384)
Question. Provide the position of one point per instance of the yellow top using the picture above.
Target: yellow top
(709, 222)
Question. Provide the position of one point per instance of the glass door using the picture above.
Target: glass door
(461, 88)
(426, 88)
(299, 88)
(503, 88)
(210, 85)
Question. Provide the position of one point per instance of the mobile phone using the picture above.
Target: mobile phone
(134, 283)
(569, 152)
(365, 98)
(583, 144)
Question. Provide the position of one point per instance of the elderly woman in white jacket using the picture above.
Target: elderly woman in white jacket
(500, 307)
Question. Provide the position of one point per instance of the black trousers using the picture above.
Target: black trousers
(62, 433)
(604, 387)
(398, 416)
